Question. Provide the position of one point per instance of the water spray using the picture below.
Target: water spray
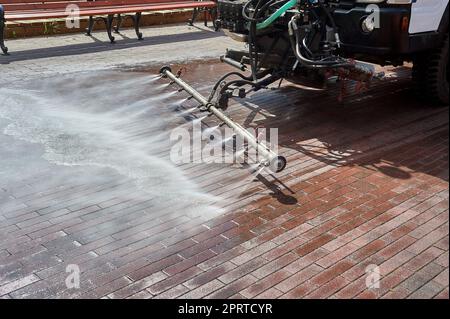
(276, 163)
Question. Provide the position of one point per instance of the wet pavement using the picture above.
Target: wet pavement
(86, 179)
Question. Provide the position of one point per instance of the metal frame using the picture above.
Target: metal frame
(137, 18)
(211, 11)
(136, 21)
(2, 30)
(108, 23)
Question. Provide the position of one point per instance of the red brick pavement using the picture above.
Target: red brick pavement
(366, 184)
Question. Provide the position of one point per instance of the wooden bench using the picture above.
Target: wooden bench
(104, 10)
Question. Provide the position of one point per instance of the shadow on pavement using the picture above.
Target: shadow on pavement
(100, 46)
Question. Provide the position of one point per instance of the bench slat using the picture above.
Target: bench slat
(43, 14)
(3, 2)
(82, 4)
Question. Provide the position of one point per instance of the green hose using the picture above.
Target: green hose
(288, 5)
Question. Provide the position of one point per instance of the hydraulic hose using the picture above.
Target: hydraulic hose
(259, 10)
(295, 44)
(255, 85)
(288, 5)
(333, 24)
(213, 92)
(251, 42)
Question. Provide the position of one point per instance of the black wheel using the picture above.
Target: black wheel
(163, 70)
(431, 75)
(277, 164)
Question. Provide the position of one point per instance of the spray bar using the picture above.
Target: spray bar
(273, 161)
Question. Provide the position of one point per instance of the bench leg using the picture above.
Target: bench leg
(137, 20)
(2, 30)
(109, 24)
(194, 16)
(213, 13)
(119, 23)
(90, 26)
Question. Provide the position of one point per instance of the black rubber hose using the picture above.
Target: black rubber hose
(259, 11)
(253, 84)
(243, 77)
(251, 39)
(307, 62)
(263, 9)
(330, 17)
(213, 91)
(244, 12)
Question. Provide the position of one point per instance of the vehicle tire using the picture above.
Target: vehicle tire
(431, 75)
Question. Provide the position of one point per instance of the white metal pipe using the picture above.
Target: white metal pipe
(275, 162)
